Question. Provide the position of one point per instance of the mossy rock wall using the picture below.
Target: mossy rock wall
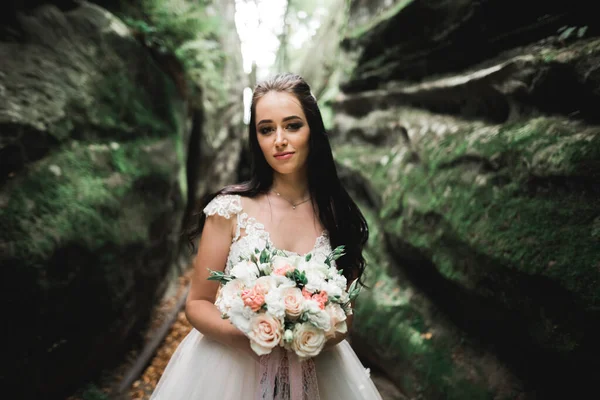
(479, 177)
(91, 202)
(401, 331)
(406, 40)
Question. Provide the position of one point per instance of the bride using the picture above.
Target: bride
(294, 202)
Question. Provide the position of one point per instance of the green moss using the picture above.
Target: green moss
(125, 110)
(83, 203)
(434, 206)
(397, 331)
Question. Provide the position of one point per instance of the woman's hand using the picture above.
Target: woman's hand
(241, 342)
(338, 337)
(332, 342)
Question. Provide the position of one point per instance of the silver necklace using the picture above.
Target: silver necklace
(293, 205)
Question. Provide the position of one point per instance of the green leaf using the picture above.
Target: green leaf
(335, 254)
(264, 256)
(354, 289)
(308, 257)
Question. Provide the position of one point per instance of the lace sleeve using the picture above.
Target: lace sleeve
(224, 205)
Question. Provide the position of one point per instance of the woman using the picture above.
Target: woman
(294, 202)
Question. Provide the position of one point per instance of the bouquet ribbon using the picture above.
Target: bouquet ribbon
(284, 377)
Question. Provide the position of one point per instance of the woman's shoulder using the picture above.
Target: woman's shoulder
(225, 205)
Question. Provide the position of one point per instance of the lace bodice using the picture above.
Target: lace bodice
(251, 234)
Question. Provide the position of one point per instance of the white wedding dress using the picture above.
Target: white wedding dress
(202, 368)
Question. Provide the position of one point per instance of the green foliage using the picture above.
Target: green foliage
(184, 29)
(299, 277)
(335, 254)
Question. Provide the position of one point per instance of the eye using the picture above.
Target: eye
(295, 126)
(265, 130)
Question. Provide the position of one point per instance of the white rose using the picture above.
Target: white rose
(279, 262)
(240, 315)
(308, 340)
(314, 266)
(332, 272)
(337, 318)
(232, 288)
(332, 289)
(311, 306)
(228, 298)
(293, 302)
(265, 333)
(340, 281)
(282, 281)
(296, 259)
(275, 304)
(264, 284)
(245, 271)
(316, 279)
(320, 319)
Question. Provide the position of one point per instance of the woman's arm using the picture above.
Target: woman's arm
(200, 309)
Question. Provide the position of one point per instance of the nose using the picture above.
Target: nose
(280, 139)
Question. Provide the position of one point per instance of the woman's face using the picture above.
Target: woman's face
(282, 131)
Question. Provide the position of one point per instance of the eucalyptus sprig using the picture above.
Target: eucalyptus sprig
(353, 292)
(219, 276)
(335, 254)
(299, 277)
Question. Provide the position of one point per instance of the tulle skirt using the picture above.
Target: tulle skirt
(202, 368)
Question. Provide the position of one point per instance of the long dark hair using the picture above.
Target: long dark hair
(338, 213)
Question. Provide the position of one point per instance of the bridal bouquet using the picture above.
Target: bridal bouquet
(293, 302)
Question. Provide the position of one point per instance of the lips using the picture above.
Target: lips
(284, 155)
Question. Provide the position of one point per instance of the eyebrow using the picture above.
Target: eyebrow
(268, 121)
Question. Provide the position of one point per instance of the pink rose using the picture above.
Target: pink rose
(307, 295)
(283, 269)
(308, 340)
(338, 320)
(321, 298)
(253, 299)
(264, 284)
(292, 301)
(265, 333)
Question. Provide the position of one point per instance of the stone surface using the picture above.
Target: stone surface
(474, 147)
(495, 225)
(410, 40)
(545, 77)
(91, 198)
